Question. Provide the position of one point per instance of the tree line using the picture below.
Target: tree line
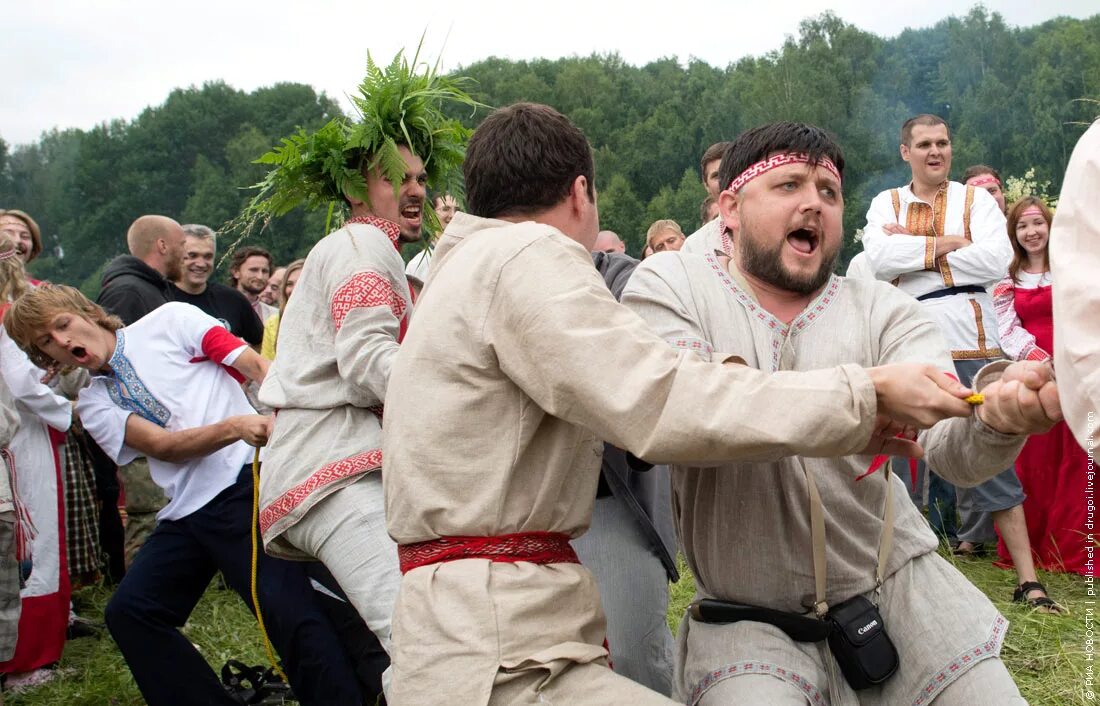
(1016, 98)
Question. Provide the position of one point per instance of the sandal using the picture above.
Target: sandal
(253, 686)
(975, 549)
(1044, 604)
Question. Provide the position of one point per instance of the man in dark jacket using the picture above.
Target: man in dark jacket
(133, 285)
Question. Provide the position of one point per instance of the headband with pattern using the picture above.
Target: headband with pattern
(1032, 211)
(775, 161)
(982, 180)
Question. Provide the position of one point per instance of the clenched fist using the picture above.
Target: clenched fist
(1023, 401)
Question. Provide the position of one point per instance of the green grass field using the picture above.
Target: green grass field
(1045, 653)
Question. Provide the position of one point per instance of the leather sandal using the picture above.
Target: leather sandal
(976, 549)
(1043, 604)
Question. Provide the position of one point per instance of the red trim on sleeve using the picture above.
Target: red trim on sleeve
(217, 343)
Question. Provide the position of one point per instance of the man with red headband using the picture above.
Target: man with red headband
(791, 552)
(507, 361)
(985, 177)
(946, 244)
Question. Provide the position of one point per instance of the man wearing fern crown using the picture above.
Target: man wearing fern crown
(320, 497)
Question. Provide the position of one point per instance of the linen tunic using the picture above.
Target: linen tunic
(524, 363)
(1074, 263)
(744, 527)
(337, 339)
(712, 236)
(967, 321)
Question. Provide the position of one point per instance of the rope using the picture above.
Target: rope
(255, 565)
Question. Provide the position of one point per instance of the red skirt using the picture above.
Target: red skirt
(45, 618)
(1052, 469)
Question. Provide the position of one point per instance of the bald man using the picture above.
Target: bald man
(609, 241)
(133, 285)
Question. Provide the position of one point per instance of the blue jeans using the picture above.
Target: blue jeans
(168, 577)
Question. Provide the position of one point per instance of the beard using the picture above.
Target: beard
(173, 270)
(766, 264)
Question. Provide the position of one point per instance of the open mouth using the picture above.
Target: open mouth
(80, 353)
(412, 214)
(803, 240)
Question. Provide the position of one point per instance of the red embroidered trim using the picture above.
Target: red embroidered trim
(691, 344)
(809, 689)
(364, 290)
(533, 547)
(325, 475)
(960, 664)
(778, 160)
(391, 229)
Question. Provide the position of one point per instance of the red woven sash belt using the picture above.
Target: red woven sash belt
(534, 547)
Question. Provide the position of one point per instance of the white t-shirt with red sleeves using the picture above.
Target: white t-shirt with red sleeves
(170, 368)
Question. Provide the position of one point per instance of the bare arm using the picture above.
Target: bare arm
(186, 444)
(252, 365)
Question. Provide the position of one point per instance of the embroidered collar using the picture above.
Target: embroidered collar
(391, 229)
(128, 391)
(781, 330)
(943, 187)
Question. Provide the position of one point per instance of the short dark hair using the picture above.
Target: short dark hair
(761, 142)
(243, 254)
(979, 169)
(704, 208)
(522, 159)
(926, 119)
(715, 151)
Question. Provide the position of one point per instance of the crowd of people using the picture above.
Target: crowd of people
(483, 502)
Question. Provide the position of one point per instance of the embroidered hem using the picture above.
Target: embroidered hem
(319, 484)
(963, 662)
(808, 689)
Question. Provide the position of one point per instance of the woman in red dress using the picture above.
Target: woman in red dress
(1052, 466)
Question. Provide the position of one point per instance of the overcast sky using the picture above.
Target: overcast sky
(79, 63)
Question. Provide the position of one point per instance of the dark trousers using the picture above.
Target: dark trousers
(169, 576)
(110, 522)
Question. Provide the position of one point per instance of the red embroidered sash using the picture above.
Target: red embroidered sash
(533, 547)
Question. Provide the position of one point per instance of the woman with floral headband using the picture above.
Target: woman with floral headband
(1052, 466)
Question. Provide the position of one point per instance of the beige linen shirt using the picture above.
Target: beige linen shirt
(337, 340)
(518, 363)
(710, 237)
(725, 514)
(1074, 265)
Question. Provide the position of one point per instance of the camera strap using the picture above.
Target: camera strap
(817, 535)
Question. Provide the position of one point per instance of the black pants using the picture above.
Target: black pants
(169, 576)
(111, 536)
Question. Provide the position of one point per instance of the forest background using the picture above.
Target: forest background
(1016, 99)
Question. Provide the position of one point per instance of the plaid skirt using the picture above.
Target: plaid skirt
(81, 509)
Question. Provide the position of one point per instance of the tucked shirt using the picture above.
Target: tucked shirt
(169, 369)
(967, 321)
